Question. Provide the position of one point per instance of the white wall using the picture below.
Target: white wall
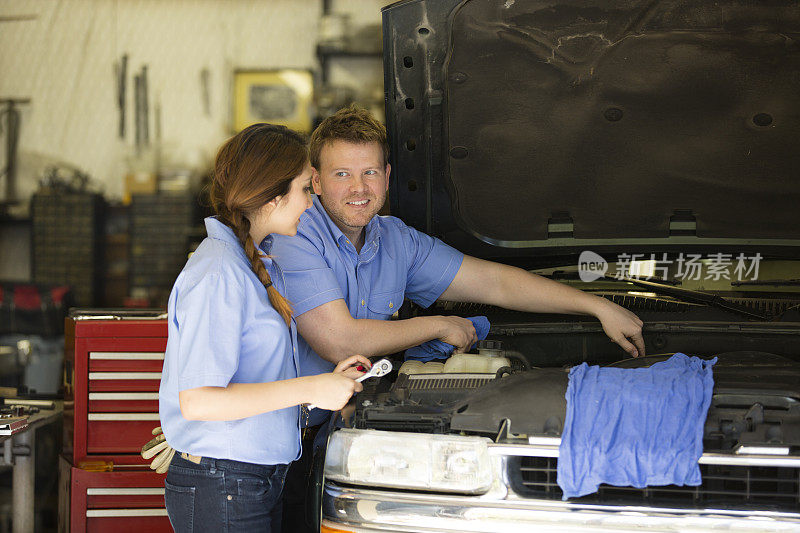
(64, 61)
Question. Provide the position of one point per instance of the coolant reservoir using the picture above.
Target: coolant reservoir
(418, 367)
(431, 367)
(471, 363)
(488, 361)
(411, 367)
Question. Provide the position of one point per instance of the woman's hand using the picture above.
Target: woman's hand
(348, 366)
(333, 390)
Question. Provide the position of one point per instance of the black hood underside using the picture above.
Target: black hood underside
(515, 122)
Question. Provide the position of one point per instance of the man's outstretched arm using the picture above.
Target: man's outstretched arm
(334, 334)
(513, 288)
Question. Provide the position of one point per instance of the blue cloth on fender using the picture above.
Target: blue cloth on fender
(436, 349)
(634, 426)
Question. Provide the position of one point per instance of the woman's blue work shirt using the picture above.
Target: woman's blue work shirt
(223, 329)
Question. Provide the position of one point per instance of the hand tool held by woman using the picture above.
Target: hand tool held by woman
(230, 394)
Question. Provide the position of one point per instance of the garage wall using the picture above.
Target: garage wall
(64, 59)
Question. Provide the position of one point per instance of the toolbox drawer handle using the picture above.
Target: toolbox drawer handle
(138, 491)
(123, 396)
(115, 513)
(124, 356)
(124, 375)
(119, 417)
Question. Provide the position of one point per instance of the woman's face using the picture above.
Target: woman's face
(284, 217)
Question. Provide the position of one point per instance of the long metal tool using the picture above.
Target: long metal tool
(137, 111)
(11, 128)
(145, 108)
(122, 83)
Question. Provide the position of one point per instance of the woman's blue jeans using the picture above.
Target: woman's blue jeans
(221, 495)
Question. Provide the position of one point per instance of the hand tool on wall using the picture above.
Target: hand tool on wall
(10, 113)
(137, 111)
(141, 110)
(205, 92)
(145, 109)
(121, 70)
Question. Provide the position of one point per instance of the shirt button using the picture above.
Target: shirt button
(391, 305)
(362, 303)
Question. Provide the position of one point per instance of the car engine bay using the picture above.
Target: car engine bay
(752, 425)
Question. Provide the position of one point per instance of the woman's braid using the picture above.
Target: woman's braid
(241, 228)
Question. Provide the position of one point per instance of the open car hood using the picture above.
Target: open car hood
(519, 128)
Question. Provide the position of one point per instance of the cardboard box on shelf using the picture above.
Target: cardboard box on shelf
(140, 183)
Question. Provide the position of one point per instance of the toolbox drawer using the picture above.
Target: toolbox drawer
(125, 402)
(110, 433)
(127, 521)
(126, 361)
(124, 381)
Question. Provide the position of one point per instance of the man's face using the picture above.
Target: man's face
(351, 182)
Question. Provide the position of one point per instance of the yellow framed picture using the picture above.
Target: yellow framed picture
(279, 96)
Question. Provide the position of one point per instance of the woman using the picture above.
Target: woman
(230, 397)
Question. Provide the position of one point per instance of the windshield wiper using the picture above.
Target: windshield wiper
(766, 282)
(686, 295)
(563, 274)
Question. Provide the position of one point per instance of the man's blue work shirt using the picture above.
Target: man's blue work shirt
(321, 265)
(223, 329)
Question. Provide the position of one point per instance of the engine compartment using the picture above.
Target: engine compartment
(756, 398)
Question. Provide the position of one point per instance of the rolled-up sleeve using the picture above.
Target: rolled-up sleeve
(209, 316)
(432, 266)
(310, 282)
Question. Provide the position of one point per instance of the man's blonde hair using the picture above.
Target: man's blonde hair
(352, 124)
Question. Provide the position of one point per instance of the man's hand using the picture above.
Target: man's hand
(332, 332)
(460, 332)
(622, 327)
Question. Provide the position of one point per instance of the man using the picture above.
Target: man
(347, 271)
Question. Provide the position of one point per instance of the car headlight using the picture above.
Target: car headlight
(442, 463)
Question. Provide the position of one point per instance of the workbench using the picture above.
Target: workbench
(19, 452)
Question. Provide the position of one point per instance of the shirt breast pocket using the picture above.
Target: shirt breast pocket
(383, 305)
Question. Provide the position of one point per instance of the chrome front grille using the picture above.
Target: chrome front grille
(723, 486)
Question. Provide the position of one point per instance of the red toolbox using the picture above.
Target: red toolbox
(121, 501)
(113, 363)
(113, 371)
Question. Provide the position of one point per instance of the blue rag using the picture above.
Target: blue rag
(634, 426)
(436, 349)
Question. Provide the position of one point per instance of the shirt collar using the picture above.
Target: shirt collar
(218, 230)
(221, 232)
(371, 233)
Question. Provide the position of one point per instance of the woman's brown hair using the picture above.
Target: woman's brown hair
(253, 167)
